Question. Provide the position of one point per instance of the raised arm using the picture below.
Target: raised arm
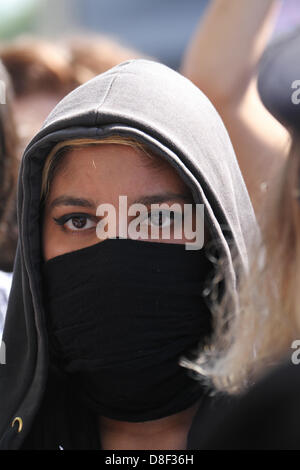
(222, 60)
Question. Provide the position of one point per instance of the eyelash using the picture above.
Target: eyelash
(61, 221)
(161, 214)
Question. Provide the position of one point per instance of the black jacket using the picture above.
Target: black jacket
(265, 418)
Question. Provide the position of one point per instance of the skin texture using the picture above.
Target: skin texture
(99, 174)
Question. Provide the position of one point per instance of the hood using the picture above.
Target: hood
(160, 108)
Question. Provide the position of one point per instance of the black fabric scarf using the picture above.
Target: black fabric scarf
(121, 313)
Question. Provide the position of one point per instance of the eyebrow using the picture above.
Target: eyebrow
(65, 200)
(163, 197)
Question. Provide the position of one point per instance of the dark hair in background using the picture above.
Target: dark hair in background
(8, 176)
(36, 64)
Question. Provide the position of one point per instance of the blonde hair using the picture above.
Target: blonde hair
(258, 336)
(54, 158)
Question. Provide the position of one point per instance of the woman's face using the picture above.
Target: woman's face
(94, 175)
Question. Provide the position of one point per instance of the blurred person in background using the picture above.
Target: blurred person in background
(8, 179)
(255, 354)
(222, 59)
(43, 71)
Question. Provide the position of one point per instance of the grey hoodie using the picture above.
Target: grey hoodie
(159, 107)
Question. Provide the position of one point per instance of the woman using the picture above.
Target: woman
(256, 359)
(101, 325)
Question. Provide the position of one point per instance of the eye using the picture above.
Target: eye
(160, 218)
(76, 222)
(79, 222)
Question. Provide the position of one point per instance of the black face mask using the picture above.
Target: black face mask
(121, 314)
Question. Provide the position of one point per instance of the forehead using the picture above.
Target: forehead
(116, 167)
(108, 154)
(107, 157)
